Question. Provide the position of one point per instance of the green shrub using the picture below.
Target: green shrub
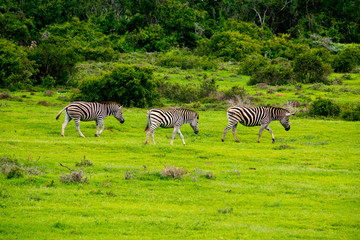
(179, 93)
(233, 45)
(276, 74)
(309, 67)
(253, 63)
(16, 27)
(347, 59)
(324, 107)
(16, 68)
(129, 85)
(149, 39)
(352, 113)
(185, 60)
(283, 47)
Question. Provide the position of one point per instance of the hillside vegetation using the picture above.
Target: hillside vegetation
(204, 55)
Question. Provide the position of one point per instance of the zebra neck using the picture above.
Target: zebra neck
(110, 110)
(278, 115)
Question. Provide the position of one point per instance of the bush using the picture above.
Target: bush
(16, 69)
(185, 60)
(173, 172)
(129, 85)
(149, 39)
(279, 74)
(253, 63)
(347, 59)
(310, 68)
(233, 45)
(352, 114)
(324, 107)
(76, 176)
(179, 93)
(283, 47)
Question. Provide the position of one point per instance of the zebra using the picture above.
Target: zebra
(257, 116)
(90, 111)
(170, 118)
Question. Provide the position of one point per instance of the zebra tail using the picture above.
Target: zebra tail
(57, 117)
(148, 121)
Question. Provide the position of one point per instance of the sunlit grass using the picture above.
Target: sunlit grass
(303, 186)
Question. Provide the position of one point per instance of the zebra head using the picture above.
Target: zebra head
(118, 115)
(194, 123)
(285, 120)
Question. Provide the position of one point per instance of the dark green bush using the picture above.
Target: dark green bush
(234, 93)
(351, 114)
(129, 85)
(179, 93)
(185, 60)
(16, 68)
(150, 39)
(324, 107)
(233, 45)
(283, 47)
(16, 27)
(310, 68)
(347, 59)
(276, 74)
(253, 63)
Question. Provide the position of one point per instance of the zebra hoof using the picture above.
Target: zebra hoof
(97, 135)
(222, 140)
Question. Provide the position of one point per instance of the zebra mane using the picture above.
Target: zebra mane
(278, 108)
(109, 103)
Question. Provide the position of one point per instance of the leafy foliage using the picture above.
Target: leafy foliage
(324, 107)
(185, 60)
(347, 59)
(310, 68)
(16, 67)
(233, 45)
(129, 85)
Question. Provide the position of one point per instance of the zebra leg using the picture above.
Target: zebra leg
(234, 133)
(67, 120)
(150, 131)
(173, 134)
(272, 135)
(101, 123)
(152, 136)
(262, 127)
(225, 131)
(97, 128)
(181, 136)
(77, 126)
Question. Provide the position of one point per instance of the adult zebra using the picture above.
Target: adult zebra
(90, 111)
(257, 116)
(170, 118)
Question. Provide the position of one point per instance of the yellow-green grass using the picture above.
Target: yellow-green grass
(306, 185)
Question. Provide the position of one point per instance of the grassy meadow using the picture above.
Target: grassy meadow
(306, 185)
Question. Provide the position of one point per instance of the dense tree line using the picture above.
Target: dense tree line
(42, 40)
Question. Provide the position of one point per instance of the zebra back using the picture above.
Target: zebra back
(255, 116)
(170, 117)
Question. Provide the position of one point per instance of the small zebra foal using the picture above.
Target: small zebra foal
(170, 118)
(257, 116)
(90, 111)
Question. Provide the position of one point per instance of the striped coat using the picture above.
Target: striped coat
(90, 111)
(170, 118)
(256, 116)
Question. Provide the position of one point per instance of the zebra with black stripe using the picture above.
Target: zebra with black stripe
(256, 116)
(90, 111)
(170, 118)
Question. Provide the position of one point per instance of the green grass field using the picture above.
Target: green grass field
(306, 185)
